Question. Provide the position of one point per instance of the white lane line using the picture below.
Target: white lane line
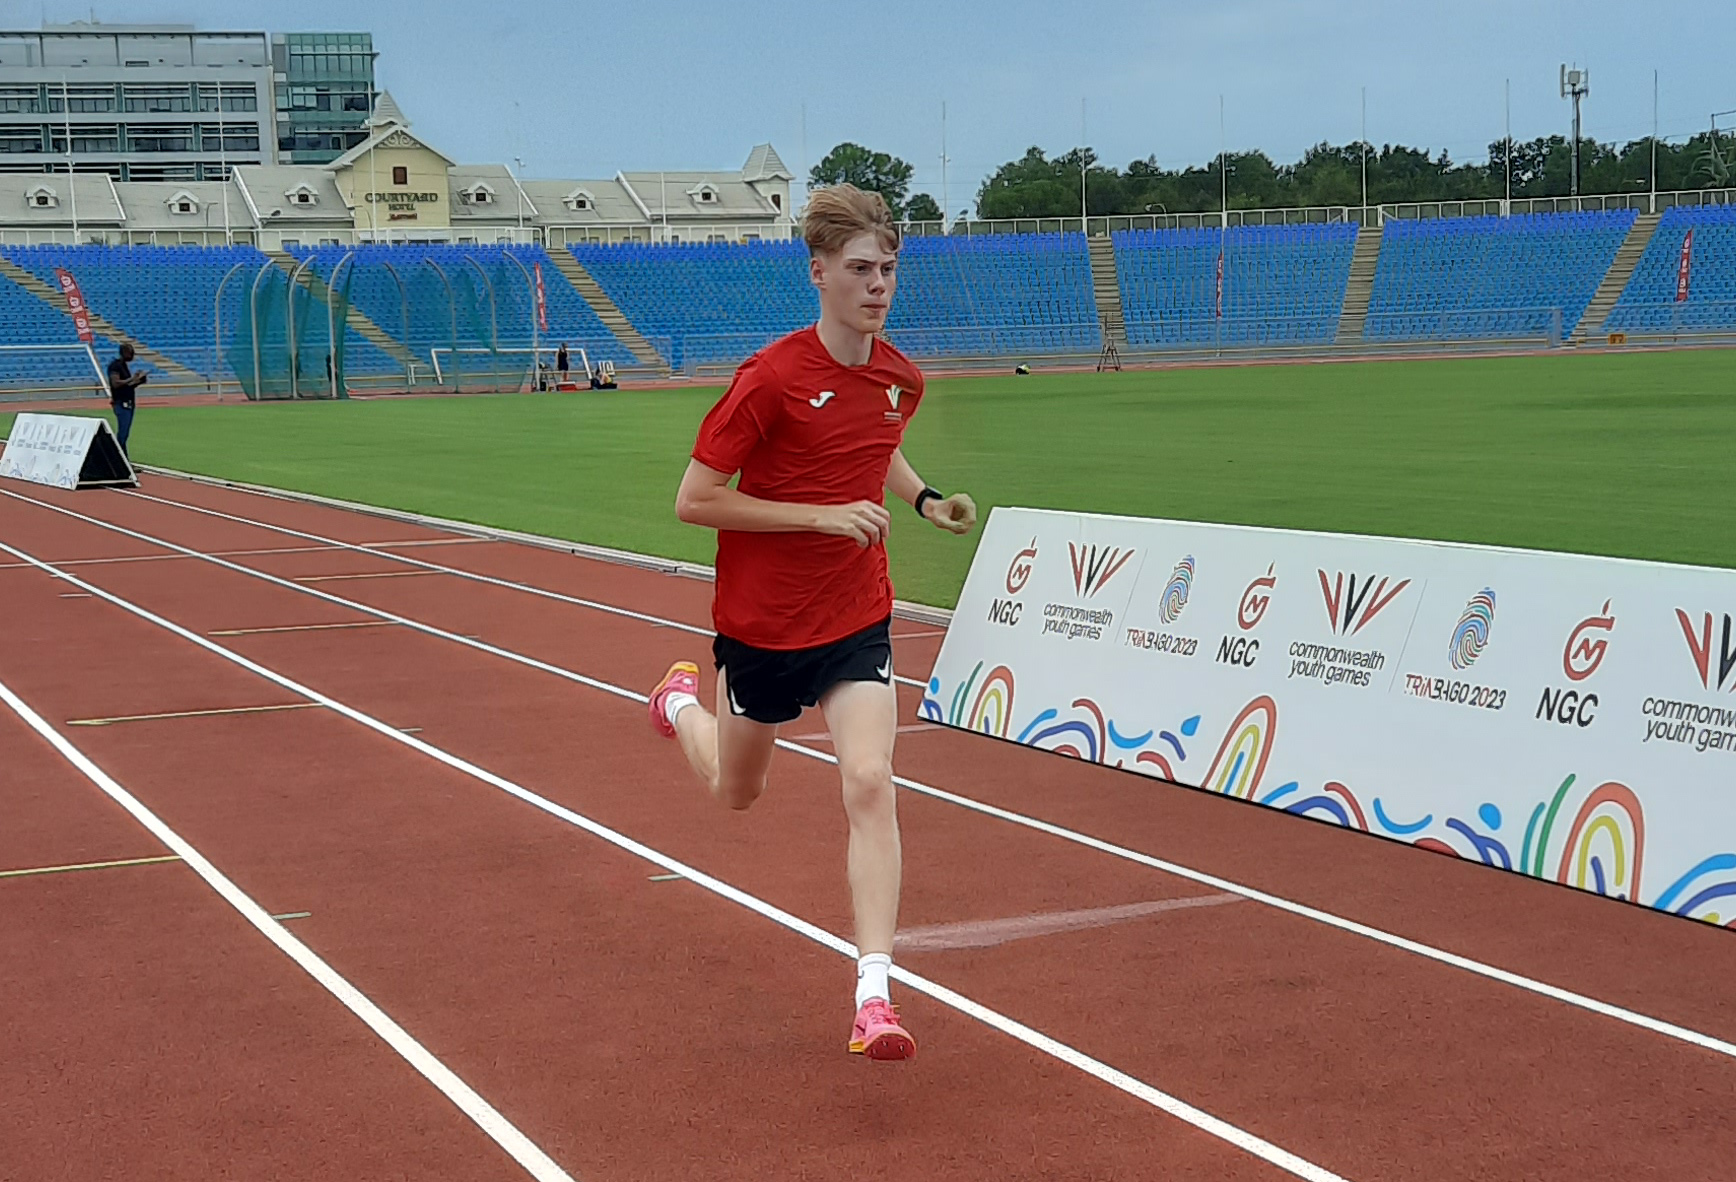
(527, 588)
(990, 933)
(502, 1131)
(1278, 902)
(1161, 1100)
(178, 557)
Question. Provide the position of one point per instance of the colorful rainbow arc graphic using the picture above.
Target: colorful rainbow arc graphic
(1601, 850)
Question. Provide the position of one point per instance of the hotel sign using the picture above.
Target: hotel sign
(402, 206)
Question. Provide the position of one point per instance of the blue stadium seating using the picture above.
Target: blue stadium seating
(463, 297)
(1283, 285)
(26, 320)
(1490, 277)
(716, 303)
(1648, 303)
(162, 295)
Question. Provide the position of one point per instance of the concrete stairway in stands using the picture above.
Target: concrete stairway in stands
(1627, 257)
(1106, 288)
(178, 373)
(356, 318)
(612, 317)
(1354, 316)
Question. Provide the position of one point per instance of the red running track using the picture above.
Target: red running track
(639, 1028)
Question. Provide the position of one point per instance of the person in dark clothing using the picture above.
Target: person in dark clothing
(561, 363)
(123, 385)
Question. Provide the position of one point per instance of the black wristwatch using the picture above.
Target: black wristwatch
(925, 495)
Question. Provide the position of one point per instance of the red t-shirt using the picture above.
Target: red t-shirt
(801, 428)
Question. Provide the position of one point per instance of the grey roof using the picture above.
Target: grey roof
(611, 203)
(386, 111)
(506, 205)
(268, 186)
(735, 197)
(97, 203)
(147, 205)
(764, 164)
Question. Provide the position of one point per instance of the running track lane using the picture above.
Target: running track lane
(150, 1033)
(632, 1029)
(1618, 954)
(1015, 968)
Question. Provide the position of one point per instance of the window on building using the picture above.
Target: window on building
(778, 202)
(183, 202)
(20, 137)
(156, 137)
(20, 100)
(400, 175)
(41, 197)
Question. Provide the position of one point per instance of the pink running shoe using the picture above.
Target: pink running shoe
(877, 1033)
(682, 678)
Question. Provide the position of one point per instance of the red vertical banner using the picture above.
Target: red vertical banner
(1219, 304)
(542, 303)
(75, 304)
(1685, 267)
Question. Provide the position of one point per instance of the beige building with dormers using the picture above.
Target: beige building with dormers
(395, 187)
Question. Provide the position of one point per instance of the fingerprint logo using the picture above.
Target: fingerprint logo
(1175, 595)
(1471, 636)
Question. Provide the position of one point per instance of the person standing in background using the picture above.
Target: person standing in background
(123, 385)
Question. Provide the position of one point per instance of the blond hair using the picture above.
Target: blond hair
(839, 213)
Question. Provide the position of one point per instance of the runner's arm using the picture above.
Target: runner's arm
(706, 499)
(956, 513)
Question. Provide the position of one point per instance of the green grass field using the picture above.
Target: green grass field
(1625, 454)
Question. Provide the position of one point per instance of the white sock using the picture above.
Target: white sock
(674, 704)
(872, 979)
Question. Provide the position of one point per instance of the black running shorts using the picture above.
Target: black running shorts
(769, 686)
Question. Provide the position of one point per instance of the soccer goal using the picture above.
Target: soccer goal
(63, 370)
(467, 363)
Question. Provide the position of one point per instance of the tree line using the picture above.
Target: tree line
(1039, 185)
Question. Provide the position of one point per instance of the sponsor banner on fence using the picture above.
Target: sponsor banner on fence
(49, 449)
(1567, 717)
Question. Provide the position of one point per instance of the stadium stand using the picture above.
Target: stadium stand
(1648, 303)
(163, 295)
(1283, 285)
(1529, 275)
(981, 296)
(27, 320)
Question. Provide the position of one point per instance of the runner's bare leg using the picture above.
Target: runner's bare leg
(731, 754)
(863, 719)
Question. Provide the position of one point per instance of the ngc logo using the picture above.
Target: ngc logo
(1255, 600)
(1587, 644)
(1019, 573)
(1094, 566)
(1350, 609)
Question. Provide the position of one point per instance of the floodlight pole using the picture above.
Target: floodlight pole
(1653, 206)
(1575, 85)
(1084, 210)
(1507, 141)
(71, 179)
(1365, 155)
(944, 202)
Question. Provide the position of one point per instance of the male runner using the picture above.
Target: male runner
(803, 604)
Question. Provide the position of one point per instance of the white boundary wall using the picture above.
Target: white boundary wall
(1569, 717)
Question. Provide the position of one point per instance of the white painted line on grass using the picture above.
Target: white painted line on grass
(502, 1131)
(1404, 944)
(1163, 1101)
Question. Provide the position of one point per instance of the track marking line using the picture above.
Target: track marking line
(430, 542)
(1180, 1109)
(191, 714)
(457, 572)
(286, 915)
(502, 1131)
(989, 933)
(916, 635)
(74, 595)
(383, 574)
(666, 878)
(1278, 902)
(34, 870)
(300, 628)
(325, 549)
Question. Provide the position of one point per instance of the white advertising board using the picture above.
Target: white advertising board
(53, 449)
(1562, 716)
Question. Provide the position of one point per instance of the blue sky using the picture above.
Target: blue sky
(584, 89)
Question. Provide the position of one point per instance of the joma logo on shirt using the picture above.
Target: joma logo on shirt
(823, 397)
